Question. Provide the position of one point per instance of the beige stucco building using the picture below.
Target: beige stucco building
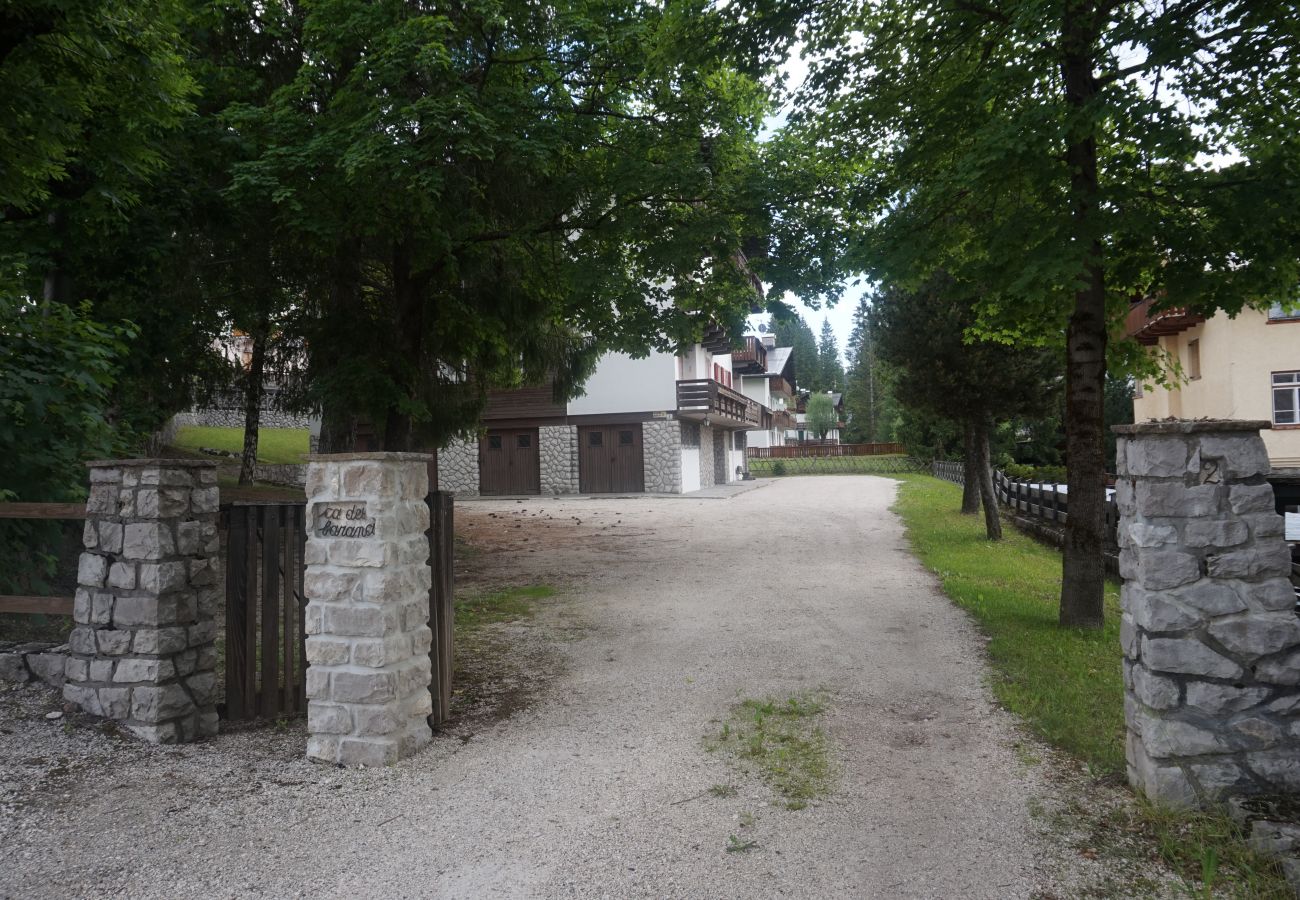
(1246, 367)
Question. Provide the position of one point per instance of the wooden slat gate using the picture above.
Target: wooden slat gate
(266, 659)
(265, 642)
(441, 610)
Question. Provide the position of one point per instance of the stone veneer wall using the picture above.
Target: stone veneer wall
(142, 649)
(1209, 630)
(706, 456)
(367, 584)
(458, 468)
(558, 446)
(661, 441)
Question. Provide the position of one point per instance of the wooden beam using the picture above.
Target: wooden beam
(49, 606)
(42, 510)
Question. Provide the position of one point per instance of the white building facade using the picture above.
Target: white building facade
(660, 424)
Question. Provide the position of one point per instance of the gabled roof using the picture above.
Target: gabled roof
(777, 358)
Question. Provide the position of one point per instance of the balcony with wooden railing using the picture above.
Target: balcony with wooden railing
(750, 359)
(705, 399)
(1148, 326)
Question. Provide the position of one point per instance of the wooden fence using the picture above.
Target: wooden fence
(265, 605)
(266, 661)
(49, 606)
(824, 451)
(1049, 502)
(266, 641)
(441, 609)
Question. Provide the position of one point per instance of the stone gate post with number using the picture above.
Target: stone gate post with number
(367, 584)
(1210, 635)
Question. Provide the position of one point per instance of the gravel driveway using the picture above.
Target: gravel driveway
(669, 610)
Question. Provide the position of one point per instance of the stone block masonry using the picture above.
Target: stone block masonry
(662, 448)
(1209, 631)
(367, 585)
(458, 468)
(142, 650)
(707, 436)
(558, 446)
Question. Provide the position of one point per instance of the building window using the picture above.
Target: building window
(1278, 313)
(525, 441)
(625, 438)
(1194, 359)
(595, 438)
(494, 442)
(1286, 398)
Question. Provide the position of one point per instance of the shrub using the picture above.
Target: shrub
(778, 467)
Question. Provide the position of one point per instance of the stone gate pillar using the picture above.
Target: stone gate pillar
(367, 583)
(1209, 631)
(142, 649)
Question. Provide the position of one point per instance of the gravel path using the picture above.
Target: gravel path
(669, 611)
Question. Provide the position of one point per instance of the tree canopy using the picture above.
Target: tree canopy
(503, 192)
(428, 202)
(820, 415)
(1064, 157)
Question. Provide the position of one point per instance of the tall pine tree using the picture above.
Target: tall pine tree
(830, 369)
(793, 331)
(866, 395)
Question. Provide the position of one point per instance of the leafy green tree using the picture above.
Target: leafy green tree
(828, 359)
(96, 187)
(56, 373)
(923, 335)
(503, 191)
(820, 415)
(1064, 156)
(87, 88)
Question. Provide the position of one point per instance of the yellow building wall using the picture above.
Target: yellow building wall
(1238, 357)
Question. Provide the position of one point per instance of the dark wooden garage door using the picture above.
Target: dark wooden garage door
(609, 459)
(509, 462)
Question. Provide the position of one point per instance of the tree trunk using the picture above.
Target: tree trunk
(408, 305)
(1083, 573)
(992, 523)
(338, 425)
(253, 403)
(338, 431)
(970, 488)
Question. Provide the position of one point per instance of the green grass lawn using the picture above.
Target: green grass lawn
(1067, 684)
(274, 445)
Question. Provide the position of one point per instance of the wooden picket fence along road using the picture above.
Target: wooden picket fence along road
(820, 450)
(45, 606)
(1046, 502)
